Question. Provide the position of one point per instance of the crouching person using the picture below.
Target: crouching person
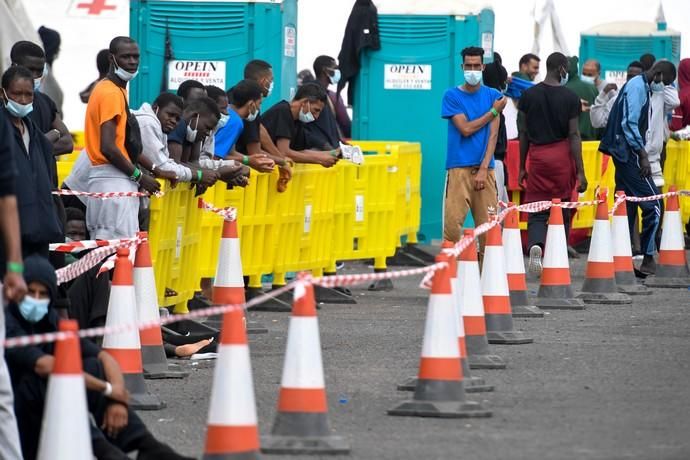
(115, 429)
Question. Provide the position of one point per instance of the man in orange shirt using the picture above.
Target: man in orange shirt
(114, 169)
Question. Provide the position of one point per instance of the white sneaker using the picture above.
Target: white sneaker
(535, 265)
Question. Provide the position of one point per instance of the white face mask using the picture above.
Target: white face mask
(122, 74)
(473, 77)
(335, 78)
(588, 79)
(307, 117)
(191, 133)
(252, 115)
(223, 120)
(270, 89)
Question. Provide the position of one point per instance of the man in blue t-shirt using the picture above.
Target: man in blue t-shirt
(472, 111)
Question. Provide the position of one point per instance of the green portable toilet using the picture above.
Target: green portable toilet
(211, 41)
(617, 44)
(399, 89)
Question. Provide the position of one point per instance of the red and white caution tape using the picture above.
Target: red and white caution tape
(92, 259)
(107, 195)
(79, 246)
(229, 213)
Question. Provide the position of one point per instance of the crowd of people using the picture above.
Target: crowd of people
(200, 135)
(550, 119)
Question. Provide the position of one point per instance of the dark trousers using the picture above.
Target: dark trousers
(29, 401)
(629, 180)
(538, 224)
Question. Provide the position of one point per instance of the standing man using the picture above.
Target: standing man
(529, 67)
(550, 137)
(113, 168)
(591, 73)
(13, 287)
(473, 112)
(327, 73)
(599, 113)
(587, 94)
(627, 132)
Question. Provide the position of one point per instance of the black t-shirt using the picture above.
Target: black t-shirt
(279, 122)
(44, 112)
(548, 111)
(250, 135)
(179, 134)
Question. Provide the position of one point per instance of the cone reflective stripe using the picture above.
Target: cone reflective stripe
(470, 304)
(494, 285)
(622, 252)
(301, 424)
(232, 431)
(440, 391)
(672, 268)
(471, 383)
(555, 290)
(228, 286)
(515, 268)
(65, 431)
(600, 281)
(153, 356)
(125, 347)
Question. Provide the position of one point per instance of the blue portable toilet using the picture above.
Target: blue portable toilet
(617, 44)
(398, 93)
(211, 41)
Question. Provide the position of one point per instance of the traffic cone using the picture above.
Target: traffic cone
(672, 268)
(600, 279)
(152, 352)
(228, 285)
(622, 253)
(301, 425)
(65, 431)
(555, 291)
(515, 268)
(472, 308)
(125, 346)
(232, 431)
(440, 391)
(472, 383)
(495, 294)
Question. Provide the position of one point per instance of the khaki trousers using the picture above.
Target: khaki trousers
(461, 197)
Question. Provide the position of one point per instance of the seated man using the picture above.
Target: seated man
(284, 123)
(117, 429)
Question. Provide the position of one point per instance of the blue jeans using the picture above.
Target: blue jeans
(629, 180)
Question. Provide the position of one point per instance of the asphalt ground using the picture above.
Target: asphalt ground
(609, 382)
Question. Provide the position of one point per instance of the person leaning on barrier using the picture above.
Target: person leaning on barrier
(115, 429)
(284, 123)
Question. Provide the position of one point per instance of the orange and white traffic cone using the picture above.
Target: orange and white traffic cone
(125, 346)
(495, 294)
(622, 253)
(600, 279)
(515, 269)
(65, 431)
(672, 268)
(555, 291)
(440, 391)
(232, 431)
(472, 308)
(301, 425)
(473, 384)
(228, 285)
(152, 352)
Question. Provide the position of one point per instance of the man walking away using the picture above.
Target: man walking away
(550, 137)
(472, 111)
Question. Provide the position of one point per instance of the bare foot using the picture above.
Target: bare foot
(184, 351)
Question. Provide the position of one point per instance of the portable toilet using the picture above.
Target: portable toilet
(211, 41)
(398, 92)
(617, 44)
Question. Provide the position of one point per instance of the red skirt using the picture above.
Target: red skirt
(550, 172)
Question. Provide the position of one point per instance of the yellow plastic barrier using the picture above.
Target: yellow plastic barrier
(677, 172)
(409, 201)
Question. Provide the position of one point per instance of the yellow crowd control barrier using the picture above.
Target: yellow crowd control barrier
(677, 172)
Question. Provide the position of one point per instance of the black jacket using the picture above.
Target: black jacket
(362, 31)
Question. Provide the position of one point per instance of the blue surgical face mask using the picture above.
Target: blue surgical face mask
(16, 109)
(335, 78)
(32, 309)
(223, 120)
(657, 87)
(473, 77)
(39, 80)
(307, 117)
(122, 73)
(587, 79)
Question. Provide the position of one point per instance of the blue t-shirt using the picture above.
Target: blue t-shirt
(467, 151)
(227, 136)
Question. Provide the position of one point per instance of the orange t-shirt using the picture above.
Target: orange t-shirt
(107, 102)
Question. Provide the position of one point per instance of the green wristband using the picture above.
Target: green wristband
(199, 175)
(494, 112)
(245, 160)
(333, 153)
(135, 175)
(15, 267)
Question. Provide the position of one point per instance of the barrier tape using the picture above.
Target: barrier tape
(80, 246)
(90, 260)
(107, 195)
(229, 214)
